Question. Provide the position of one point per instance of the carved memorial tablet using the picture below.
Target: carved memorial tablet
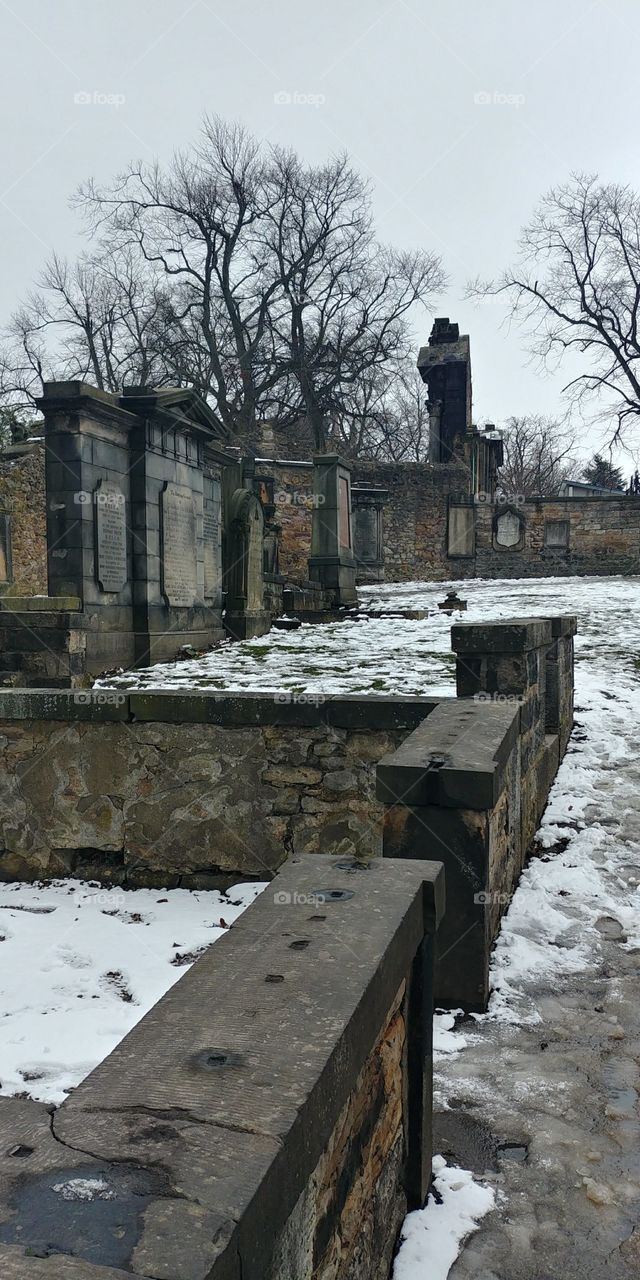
(111, 537)
(179, 567)
(508, 529)
(212, 557)
(345, 512)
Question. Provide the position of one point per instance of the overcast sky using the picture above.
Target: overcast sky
(461, 114)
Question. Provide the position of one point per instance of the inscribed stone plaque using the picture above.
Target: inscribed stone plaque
(345, 513)
(254, 567)
(367, 541)
(212, 552)
(179, 567)
(111, 537)
(508, 529)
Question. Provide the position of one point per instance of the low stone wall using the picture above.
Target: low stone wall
(471, 783)
(269, 1119)
(188, 789)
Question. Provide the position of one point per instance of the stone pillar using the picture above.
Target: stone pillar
(507, 661)
(368, 505)
(445, 367)
(452, 792)
(560, 679)
(332, 562)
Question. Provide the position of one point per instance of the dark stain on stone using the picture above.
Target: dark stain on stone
(93, 1211)
(332, 895)
(216, 1059)
(516, 1151)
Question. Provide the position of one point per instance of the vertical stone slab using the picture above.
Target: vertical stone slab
(245, 614)
(111, 537)
(368, 505)
(6, 570)
(178, 546)
(560, 679)
(508, 661)
(332, 562)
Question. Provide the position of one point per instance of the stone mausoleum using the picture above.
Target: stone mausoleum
(149, 536)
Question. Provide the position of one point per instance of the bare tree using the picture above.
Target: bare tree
(97, 319)
(279, 299)
(347, 298)
(576, 287)
(538, 456)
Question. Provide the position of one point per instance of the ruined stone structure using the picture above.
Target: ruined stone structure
(442, 519)
(314, 1178)
(261, 778)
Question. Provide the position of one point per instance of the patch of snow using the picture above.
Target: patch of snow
(432, 1237)
(84, 1189)
(81, 964)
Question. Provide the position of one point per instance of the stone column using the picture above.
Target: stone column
(560, 679)
(332, 562)
(508, 661)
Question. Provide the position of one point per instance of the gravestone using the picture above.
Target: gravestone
(368, 505)
(6, 575)
(509, 527)
(332, 561)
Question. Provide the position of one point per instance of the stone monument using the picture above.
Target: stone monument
(332, 562)
(368, 503)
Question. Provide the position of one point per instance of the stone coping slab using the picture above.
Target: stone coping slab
(206, 1122)
(517, 635)
(564, 624)
(456, 758)
(203, 707)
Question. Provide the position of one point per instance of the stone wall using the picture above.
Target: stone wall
(415, 517)
(268, 1119)
(470, 784)
(603, 537)
(196, 790)
(22, 494)
(292, 497)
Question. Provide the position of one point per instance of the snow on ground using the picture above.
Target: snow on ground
(82, 964)
(431, 1237)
